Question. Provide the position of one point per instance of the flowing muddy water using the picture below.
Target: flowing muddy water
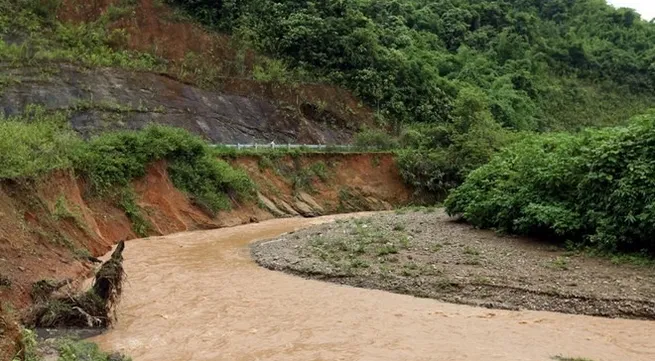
(199, 296)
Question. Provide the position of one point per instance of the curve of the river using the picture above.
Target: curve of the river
(199, 296)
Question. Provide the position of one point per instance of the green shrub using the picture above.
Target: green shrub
(45, 39)
(114, 159)
(429, 172)
(437, 158)
(29, 351)
(271, 70)
(34, 143)
(38, 141)
(595, 188)
(127, 202)
(375, 139)
(320, 170)
(70, 350)
(211, 182)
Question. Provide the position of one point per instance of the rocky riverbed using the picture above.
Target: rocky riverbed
(427, 254)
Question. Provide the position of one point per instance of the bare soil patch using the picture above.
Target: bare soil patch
(426, 254)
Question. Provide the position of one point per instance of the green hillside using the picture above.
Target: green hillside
(539, 65)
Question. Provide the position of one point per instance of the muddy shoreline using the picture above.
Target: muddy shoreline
(425, 254)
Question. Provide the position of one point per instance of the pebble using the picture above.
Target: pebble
(22, 269)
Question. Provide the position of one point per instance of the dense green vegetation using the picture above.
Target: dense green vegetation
(437, 158)
(537, 63)
(38, 141)
(457, 78)
(596, 188)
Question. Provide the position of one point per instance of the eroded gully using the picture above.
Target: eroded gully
(199, 296)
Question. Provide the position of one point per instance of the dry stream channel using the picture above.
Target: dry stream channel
(199, 296)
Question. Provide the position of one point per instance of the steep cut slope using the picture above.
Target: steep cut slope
(124, 64)
(114, 99)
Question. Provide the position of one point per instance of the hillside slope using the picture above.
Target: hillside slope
(540, 65)
(113, 99)
(124, 64)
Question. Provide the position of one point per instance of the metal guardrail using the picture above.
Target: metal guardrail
(340, 147)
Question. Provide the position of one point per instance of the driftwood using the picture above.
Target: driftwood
(92, 308)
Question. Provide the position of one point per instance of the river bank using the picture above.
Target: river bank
(426, 254)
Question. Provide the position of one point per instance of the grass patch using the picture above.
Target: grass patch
(559, 263)
(35, 143)
(398, 227)
(29, 351)
(471, 251)
(319, 169)
(70, 350)
(114, 159)
(127, 202)
(362, 245)
(63, 211)
(349, 200)
(375, 161)
(117, 12)
(265, 162)
(640, 260)
(45, 39)
(303, 177)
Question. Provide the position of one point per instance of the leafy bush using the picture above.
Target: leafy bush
(114, 159)
(44, 38)
(70, 350)
(376, 139)
(437, 158)
(127, 202)
(34, 143)
(596, 188)
(211, 182)
(38, 141)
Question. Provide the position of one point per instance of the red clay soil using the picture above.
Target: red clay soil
(9, 335)
(372, 180)
(46, 223)
(153, 28)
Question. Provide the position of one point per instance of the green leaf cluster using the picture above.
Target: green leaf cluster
(596, 188)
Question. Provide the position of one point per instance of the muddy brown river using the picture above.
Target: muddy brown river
(199, 296)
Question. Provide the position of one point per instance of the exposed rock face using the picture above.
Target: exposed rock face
(113, 99)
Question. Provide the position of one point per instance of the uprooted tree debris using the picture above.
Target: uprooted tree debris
(92, 308)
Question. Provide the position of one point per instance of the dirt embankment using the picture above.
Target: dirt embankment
(322, 184)
(428, 255)
(207, 86)
(49, 226)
